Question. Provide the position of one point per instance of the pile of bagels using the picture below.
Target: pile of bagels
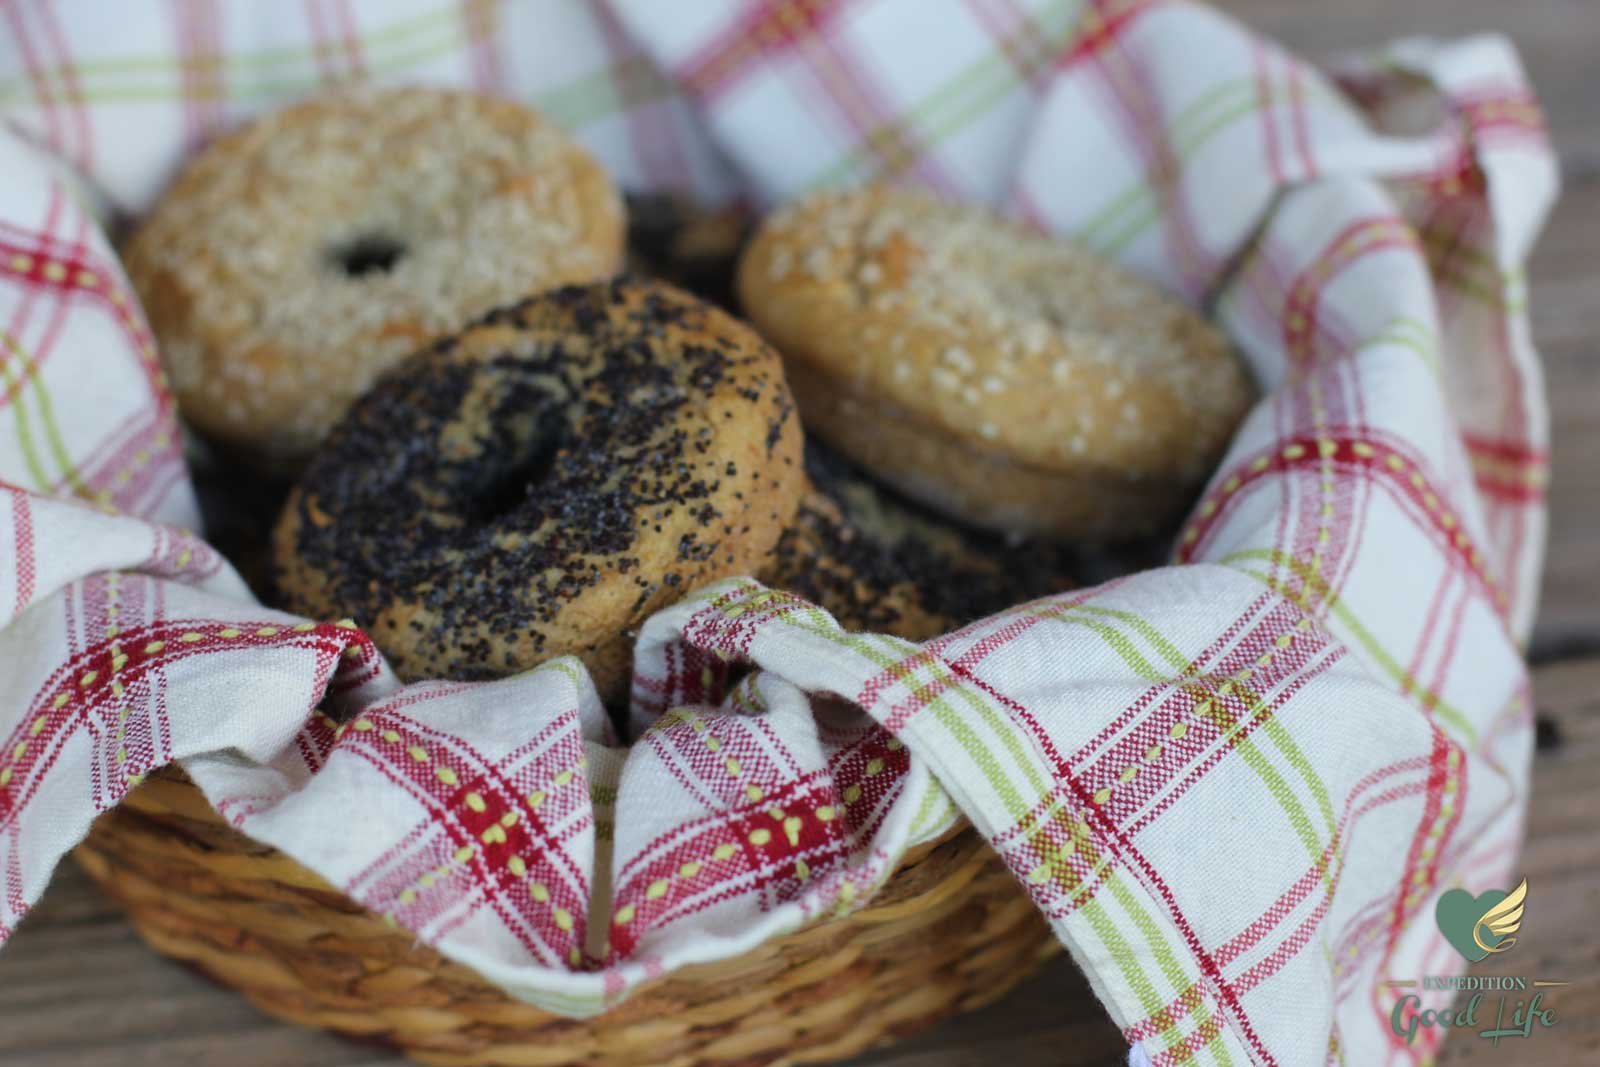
(502, 413)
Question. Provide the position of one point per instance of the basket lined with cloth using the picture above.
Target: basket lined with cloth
(1233, 787)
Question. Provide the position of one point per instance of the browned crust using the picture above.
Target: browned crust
(996, 374)
(746, 451)
(265, 341)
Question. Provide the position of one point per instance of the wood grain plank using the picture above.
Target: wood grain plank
(1564, 279)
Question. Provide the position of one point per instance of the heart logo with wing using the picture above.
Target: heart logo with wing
(1478, 926)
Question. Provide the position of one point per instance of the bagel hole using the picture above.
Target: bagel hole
(368, 253)
(508, 487)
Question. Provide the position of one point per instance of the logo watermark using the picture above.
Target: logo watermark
(1478, 927)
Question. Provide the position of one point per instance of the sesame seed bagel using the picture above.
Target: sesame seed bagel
(538, 484)
(877, 562)
(1002, 377)
(298, 257)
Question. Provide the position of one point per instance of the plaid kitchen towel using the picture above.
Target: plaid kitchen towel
(1235, 785)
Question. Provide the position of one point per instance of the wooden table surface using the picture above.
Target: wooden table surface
(78, 989)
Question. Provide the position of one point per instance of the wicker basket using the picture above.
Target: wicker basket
(951, 930)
